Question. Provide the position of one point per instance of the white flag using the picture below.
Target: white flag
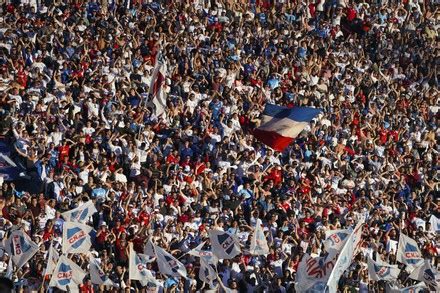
(52, 260)
(67, 275)
(313, 272)
(97, 275)
(157, 93)
(426, 273)
(206, 254)
(80, 214)
(258, 242)
(137, 269)
(76, 237)
(224, 245)
(335, 239)
(10, 269)
(382, 271)
(408, 251)
(435, 224)
(349, 250)
(149, 248)
(168, 264)
(417, 288)
(207, 273)
(20, 248)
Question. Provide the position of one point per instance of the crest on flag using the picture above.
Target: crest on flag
(138, 269)
(382, 271)
(52, 259)
(97, 275)
(20, 247)
(76, 238)
(335, 239)
(168, 264)
(207, 273)
(224, 245)
(67, 275)
(80, 214)
(408, 251)
(208, 256)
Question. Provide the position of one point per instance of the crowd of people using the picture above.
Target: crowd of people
(75, 79)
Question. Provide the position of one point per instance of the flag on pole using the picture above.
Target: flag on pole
(313, 273)
(76, 237)
(168, 264)
(157, 94)
(137, 269)
(408, 251)
(80, 214)
(207, 273)
(382, 271)
(206, 254)
(281, 125)
(345, 257)
(20, 248)
(224, 245)
(335, 239)
(426, 273)
(67, 275)
(224, 288)
(97, 275)
(258, 242)
(52, 260)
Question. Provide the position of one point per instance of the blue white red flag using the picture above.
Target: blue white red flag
(382, 271)
(20, 247)
(281, 125)
(408, 252)
(80, 214)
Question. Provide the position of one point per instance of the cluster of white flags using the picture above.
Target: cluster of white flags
(321, 274)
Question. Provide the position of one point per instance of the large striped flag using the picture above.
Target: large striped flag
(157, 94)
(281, 125)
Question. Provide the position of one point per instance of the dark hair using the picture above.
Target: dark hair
(6, 285)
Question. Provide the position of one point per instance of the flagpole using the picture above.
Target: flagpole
(44, 275)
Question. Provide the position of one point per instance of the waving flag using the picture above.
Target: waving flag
(382, 271)
(76, 238)
(426, 273)
(137, 269)
(417, 288)
(224, 245)
(435, 224)
(208, 256)
(258, 242)
(313, 273)
(349, 250)
(281, 125)
(52, 260)
(80, 214)
(408, 251)
(20, 247)
(67, 275)
(97, 275)
(149, 248)
(224, 288)
(207, 273)
(168, 264)
(335, 239)
(157, 94)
